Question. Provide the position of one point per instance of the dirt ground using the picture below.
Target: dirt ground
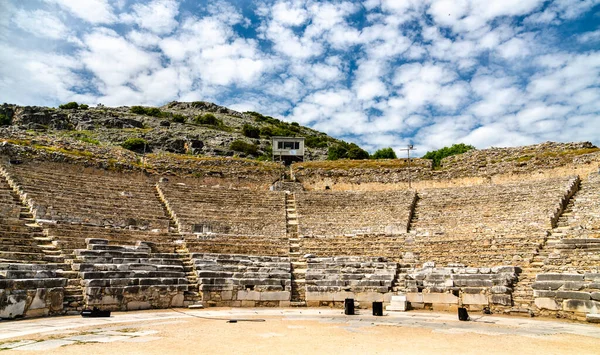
(312, 335)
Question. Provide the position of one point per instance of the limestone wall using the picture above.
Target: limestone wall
(331, 280)
(449, 287)
(129, 278)
(567, 294)
(243, 280)
(31, 290)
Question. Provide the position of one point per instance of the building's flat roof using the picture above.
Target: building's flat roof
(287, 137)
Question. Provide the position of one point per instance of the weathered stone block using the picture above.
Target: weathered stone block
(573, 285)
(505, 300)
(275, 296)
(136, 305)
(581, 306)
(414, 297)
(439, 298)
(475, 299)
(248, 295)
(547, 285)
(547, 303)
(559, 277)
(319, 296)
(592, 276)
(573, 295)
(12, 304)
(544, 294)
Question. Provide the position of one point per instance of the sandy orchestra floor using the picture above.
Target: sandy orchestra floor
(295, 331)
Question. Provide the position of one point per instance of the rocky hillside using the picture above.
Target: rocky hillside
(196, 128)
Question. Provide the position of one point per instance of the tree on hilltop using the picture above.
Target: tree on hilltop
(438, 155)
(384, 153)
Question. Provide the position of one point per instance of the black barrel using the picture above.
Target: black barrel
(349, 306)
(463, 314)
(378, 308)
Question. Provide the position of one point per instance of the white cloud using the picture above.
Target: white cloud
(589, 37)
(41, 24)
(93, 11)
(158, 16)
(114, 60)
(381, 73)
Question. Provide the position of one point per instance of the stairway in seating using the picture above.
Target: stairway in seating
(523, 300)
(44, 249)
(298, 262)
(192, 296)
(51, 254)
(414, 215)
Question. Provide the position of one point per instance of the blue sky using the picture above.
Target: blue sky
(376, 72)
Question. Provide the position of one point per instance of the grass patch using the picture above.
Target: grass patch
(243, 147)
(347, 164)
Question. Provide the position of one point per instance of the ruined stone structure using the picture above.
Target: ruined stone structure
(525, 242)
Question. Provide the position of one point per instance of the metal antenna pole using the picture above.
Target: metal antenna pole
(408, 149)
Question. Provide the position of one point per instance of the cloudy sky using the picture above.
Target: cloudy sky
(376, 72)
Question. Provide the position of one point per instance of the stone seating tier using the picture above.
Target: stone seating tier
(226, 211)
(243, 280)
(389, 247)
(573, 255)
(73, 236)
(513, 208)
(234, 244)
(72, 194)
(476, 252)
(357, 212)
(129, 277)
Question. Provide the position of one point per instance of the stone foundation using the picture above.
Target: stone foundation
(243, 280)
(31, 290)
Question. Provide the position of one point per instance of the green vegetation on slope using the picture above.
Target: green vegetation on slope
(438, 155)
(384, 153)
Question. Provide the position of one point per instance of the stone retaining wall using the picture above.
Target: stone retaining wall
(129, 278)
(243, 280)
(567, 295)
(31, 290)
(450, 287)
(331, 280)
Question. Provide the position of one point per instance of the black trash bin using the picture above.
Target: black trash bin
(377, 308)
(463, 315)
(349, 306)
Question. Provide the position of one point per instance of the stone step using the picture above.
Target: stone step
(298, 304)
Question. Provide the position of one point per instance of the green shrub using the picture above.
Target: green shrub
(438, 155)
(250, 131)
(345, 150)
(5, 120)
(138, 110)
(384, 153)
(316, 141)
(295, 124)
(266, 131)
(208, 119)
(178, 118)
(84, 106)
(135, 144)
(241, 146)
(69, 106)
(148, 111)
